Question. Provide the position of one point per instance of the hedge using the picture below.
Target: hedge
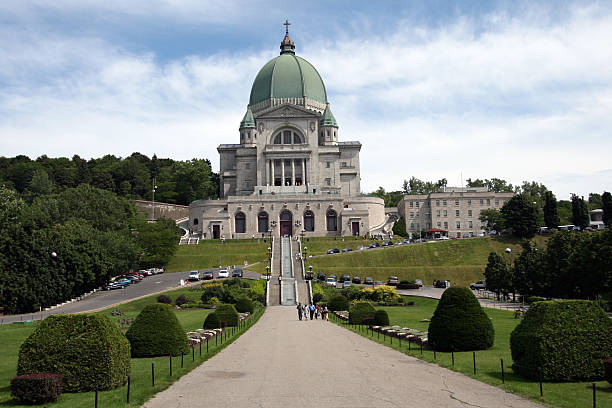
(88, 351)
(381, 318)
(36, 388)
(245, 305)
(459, 323)
(212, 321)
(228, 315)
(567, 339)
(164, 299)
(361, 313)
(337, 303)
(157, 332)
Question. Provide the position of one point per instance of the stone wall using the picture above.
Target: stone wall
(172, 211)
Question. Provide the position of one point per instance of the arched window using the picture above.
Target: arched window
(332, 220)
(240, 221)
(308, 220)
(262, 222)
(288, 137)
(195, 221)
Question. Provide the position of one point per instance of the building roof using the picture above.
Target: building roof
(328, 119)
(436, 230)
(248, 121)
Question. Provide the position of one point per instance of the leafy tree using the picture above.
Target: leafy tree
(580, 212)
(494, 184)
(159, 241)
(606, 200)
(595, 201)
(520, 216)
(497, 275)
(565, 212)
(551, 214)
(392, 198)
(494, 219)
(416, 186)
(399, 228)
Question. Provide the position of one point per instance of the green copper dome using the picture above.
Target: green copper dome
(328, 119)
(248, 121)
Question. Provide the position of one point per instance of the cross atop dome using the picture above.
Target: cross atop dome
(287, 46)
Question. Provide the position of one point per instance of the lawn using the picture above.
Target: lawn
(213, 253)
(11, 337)
(460, 261)
(488, 362)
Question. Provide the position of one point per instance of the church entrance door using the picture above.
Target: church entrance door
(216, 232)
(355, 228)
(286, 219)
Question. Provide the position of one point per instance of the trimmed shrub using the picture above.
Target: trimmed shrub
(381, 318)
(181, 300)
(212, 321)
(244, 305)
(567, 339)
(88, 351)
(164, 299)
(337, 303)
(36, 388)
(228, 315)
(459, 323)
(157, 332)
(212, 291)
(317, 297)
(361, 313)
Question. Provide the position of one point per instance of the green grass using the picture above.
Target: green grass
(212, 254)
(460, 261)
(488, 362)
(11, 337)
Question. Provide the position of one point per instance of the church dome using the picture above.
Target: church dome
(288, 76)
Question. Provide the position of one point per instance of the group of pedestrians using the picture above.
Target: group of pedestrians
(312, 310)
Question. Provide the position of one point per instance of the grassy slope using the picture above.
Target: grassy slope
(211, 254)
(460, 261)
(562, 395)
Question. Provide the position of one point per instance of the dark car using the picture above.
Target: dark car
(208, 275)
(344, 278)
(321, 276)
(347, 249)
(237, 273)
(332, 277)
(387, 243)
(392, 281)
(374, 245)
(333, 251)
(356, 279)
(441, 284)
(131, 278)
(408, 284)
(368, 281)
(309, 276)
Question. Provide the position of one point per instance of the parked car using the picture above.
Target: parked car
(443, 238)
(207, 275)
(237, 273)
(419, 282)
(392, 281)
(347, 250)
(334, 277)
(193, 276)
(131, 278)
(374, 245)
(346, 284)
(356, 279)
(387, 243)
(330, 282)
(136, 275)
(223, 273)
(309, 276)
(333, 251)
(478, 285)
(360, 248)
(344, 278)
(492, 233)
(368, 281)
(378, 283)
(321, 276)
(442, 284)
(407, 241)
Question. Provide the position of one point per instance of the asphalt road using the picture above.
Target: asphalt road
(103, 299)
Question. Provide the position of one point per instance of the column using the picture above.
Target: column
(272, 171)
(267, 172)
(293, 172)
(282, 172)
(303, 172)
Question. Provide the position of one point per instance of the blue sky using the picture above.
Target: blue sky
(432, 89)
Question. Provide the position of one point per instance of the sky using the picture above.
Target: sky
(517, 90)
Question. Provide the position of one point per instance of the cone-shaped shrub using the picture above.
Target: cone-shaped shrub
(337, 303)
(212, 321)
(361, 313)
(245, 305)
(88, 351)
(157, 332)
(459, 323)
(228, 315)
(381, 318)
(568, 339)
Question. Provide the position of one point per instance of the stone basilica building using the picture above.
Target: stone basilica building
(290, 174)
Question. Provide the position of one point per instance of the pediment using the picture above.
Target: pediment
(286, 110)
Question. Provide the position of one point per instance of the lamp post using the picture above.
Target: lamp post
(268, 273)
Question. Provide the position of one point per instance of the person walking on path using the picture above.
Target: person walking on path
(312, 311)
(299, 309)
(305, 311)
(325, 314)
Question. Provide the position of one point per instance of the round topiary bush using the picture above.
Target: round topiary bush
(459, 323)
(88, 351)
(361, 313)
(212, 321)
(228, 315)
(337, 303)
(164, 299)
(381, 318)
(157, 332)
(181, 300)
(567, 339)
(245, 305)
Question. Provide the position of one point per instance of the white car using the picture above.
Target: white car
(443, 238)
(330, 282)
(194, 276)
(223, 273)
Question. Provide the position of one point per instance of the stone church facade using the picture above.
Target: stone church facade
(290, 174)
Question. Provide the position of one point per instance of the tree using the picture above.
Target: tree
(551, 215)
(399, 228)
(529, 275)
(416, 186)
(494, 219)
(606, 200)
(494, 184)
(497, 275)
(580, 212)
(595, 201)
(520, 216)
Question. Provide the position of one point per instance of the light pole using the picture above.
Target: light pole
(268, 273)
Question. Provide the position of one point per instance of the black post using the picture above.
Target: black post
(378, 335)
(421, 348)
(127, 399)
(152, 374)
(434, 352)
(200, 348)
(474, 357)
(215, 339)
(409, 343)
(391, 337)
(182, 355)
(192, 354)
(594, 399)
(502, 367)
(96, 399)
(400, 340)
(170, 365)
(453, 356)
(207, 345)
(541, 389)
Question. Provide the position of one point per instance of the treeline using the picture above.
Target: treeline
(574, 265)
(61, 245)
(177, 182)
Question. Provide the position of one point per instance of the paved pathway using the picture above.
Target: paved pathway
(282, 362)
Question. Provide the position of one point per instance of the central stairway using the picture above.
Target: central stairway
(288, 293)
